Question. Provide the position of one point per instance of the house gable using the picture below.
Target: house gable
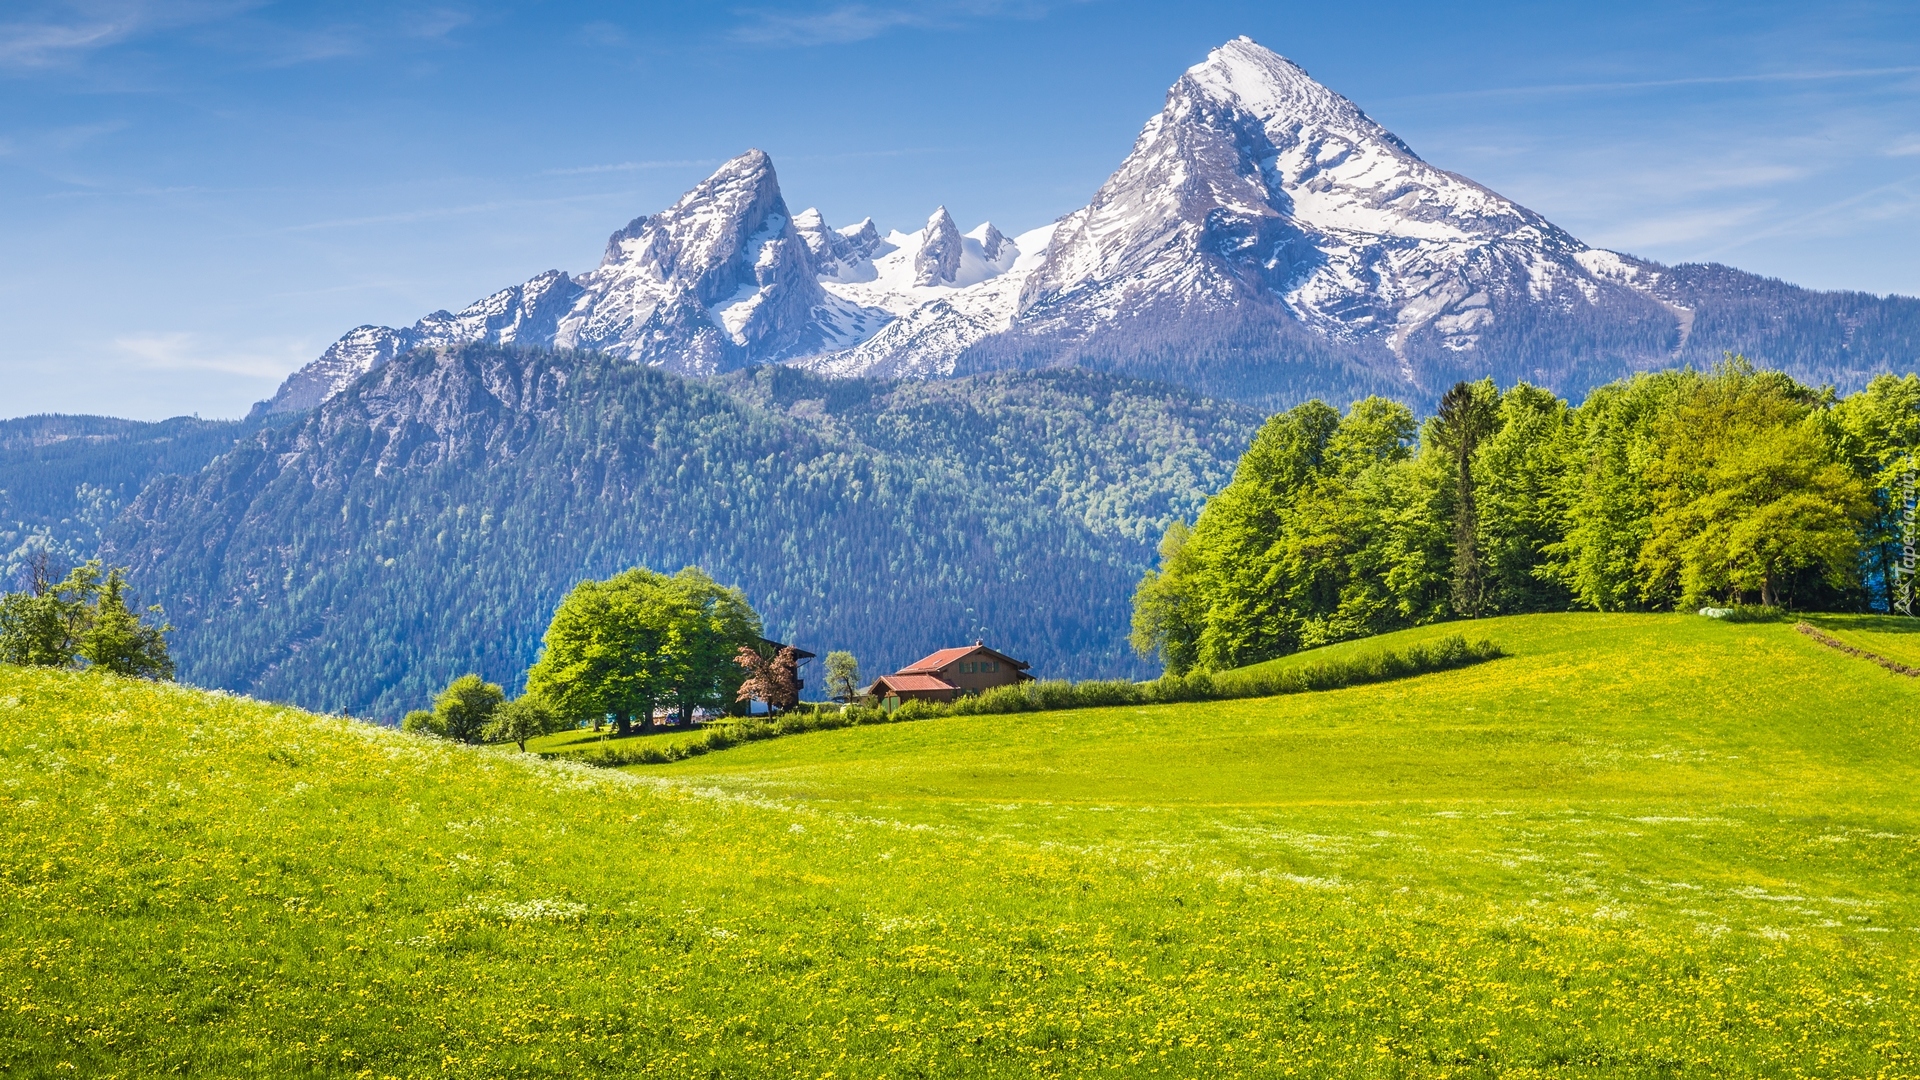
(971, 668)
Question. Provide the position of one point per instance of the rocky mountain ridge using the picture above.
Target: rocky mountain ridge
(1264, 239)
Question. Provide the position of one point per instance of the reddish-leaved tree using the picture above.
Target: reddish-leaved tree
(775, 681)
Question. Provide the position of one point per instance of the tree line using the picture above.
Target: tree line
(1661, 491)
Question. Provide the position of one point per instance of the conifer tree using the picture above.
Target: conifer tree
(116, 640)
(1468, 414)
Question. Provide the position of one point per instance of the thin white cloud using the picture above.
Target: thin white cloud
(1874, 204)
(186, 351)
(840, 24)
(1656, 84)
(42, 45)
(435, 213)
(431, 213)
(1681, 228)
(633, 166)
(63, 33)
(437, 23)
(1904, 147)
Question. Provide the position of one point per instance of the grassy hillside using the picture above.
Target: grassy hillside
(1640, 846)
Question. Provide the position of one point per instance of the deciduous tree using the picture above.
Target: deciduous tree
(1469, 412)
(843, 675)
(521, 719)
(1750, 486)
(773, 679)
(465, 707)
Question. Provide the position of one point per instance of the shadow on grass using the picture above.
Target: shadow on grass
(1876, 624)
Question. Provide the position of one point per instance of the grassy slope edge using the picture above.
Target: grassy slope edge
(1641, 845)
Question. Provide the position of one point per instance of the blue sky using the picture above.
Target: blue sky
(197, 196)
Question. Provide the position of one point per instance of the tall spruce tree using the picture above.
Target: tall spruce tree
(1469, 412)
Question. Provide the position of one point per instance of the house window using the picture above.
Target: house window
(989, 666)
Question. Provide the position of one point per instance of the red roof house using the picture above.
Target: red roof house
(950, 673)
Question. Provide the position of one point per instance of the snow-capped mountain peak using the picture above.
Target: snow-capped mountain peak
(1271, 88)
(1256, 187)
(721, 277)
(1260, 218)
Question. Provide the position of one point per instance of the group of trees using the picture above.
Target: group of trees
(82, 620)
(472, 710)
(625, 648)
(642, 640)
(1661, 491)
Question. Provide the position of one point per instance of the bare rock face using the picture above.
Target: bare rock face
(938, 261)
(716, 281)
(992, 244)
(359, 351)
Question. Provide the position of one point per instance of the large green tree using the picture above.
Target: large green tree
(1304, 547)
(1168, 607)
(1517, 476)
(1605, 497)
(1881, 426)
(1750, 485)
(465, 708)
(716, 622)
(641, 639)
(1469, 413)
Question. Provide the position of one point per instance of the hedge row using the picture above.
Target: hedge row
(1449, 652)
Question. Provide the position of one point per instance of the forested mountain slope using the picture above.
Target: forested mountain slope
(63, 478)
(424, 521)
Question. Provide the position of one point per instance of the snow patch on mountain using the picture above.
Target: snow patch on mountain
(933, 323)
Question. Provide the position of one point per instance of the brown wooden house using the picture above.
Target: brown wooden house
(950, 673)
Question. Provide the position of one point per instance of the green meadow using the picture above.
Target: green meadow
(1640, 845)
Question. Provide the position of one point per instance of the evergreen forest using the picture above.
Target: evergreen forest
(63, 479)
(427, 521)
